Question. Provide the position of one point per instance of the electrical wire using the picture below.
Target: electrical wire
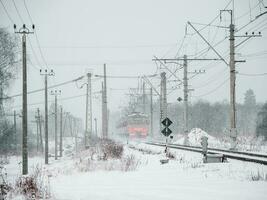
(25, 5)
(212, 91)
(243, 74)
(18, 12)
(49, 87)
(9, 17)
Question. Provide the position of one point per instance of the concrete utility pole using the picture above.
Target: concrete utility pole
(88, 110)
(37, 133)
(24, 31)
(15, 130)
(144, 97)
(163, 98)
(105, 107)
(56, 93)
(151, 112)
(185, 101)
(40, 130)
(46, 73)
(233, 131)
(61, 133)
(185, 83)
(95, 127)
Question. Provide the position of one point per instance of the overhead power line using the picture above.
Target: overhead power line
(42, 89)
(9, 17)
(244, 74)
(17, 11)
(215, 89)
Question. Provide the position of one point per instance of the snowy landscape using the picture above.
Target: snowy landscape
(138, 174)
(133, 100)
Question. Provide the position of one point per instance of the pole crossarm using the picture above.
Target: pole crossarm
(151, 85)
(160, 60)
(208, 43)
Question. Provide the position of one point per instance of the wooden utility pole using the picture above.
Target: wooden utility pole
(24, 31)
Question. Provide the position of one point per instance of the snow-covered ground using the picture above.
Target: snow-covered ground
(244, 143)
(185, 177)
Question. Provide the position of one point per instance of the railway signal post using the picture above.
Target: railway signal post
(166, 131)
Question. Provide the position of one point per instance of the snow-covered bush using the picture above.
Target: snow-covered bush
(111, 149)
(145, 150)
(258, 176)
(129, 163)
(32, 186)
(4, 160)
(5, 187)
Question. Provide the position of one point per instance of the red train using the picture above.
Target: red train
(136, 125)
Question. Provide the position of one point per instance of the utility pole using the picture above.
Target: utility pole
(232, 61)
(61, 133)
(105, 107)
(163, 98)
(144, 97)
(233, 131)
(15, 130)
(24, 31)
(46, 73)
(40, 129)
(56, 93)
(95, 127)
(151, 112)
(185, 83)
(88, 110)
(37, 133)
(185, 101)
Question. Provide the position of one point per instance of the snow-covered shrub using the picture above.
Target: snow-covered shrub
(32, 186)
(144, 150)
(4, 160)
(111, 149)
(258, 176)
(171, 155)
(196, 165)
(129, 163)
(4, 186)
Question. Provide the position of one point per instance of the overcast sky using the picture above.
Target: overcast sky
(80, 35)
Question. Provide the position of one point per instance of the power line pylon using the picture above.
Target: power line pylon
(24, 31)
(46, 73)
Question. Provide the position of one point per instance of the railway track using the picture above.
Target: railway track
(236, 155)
